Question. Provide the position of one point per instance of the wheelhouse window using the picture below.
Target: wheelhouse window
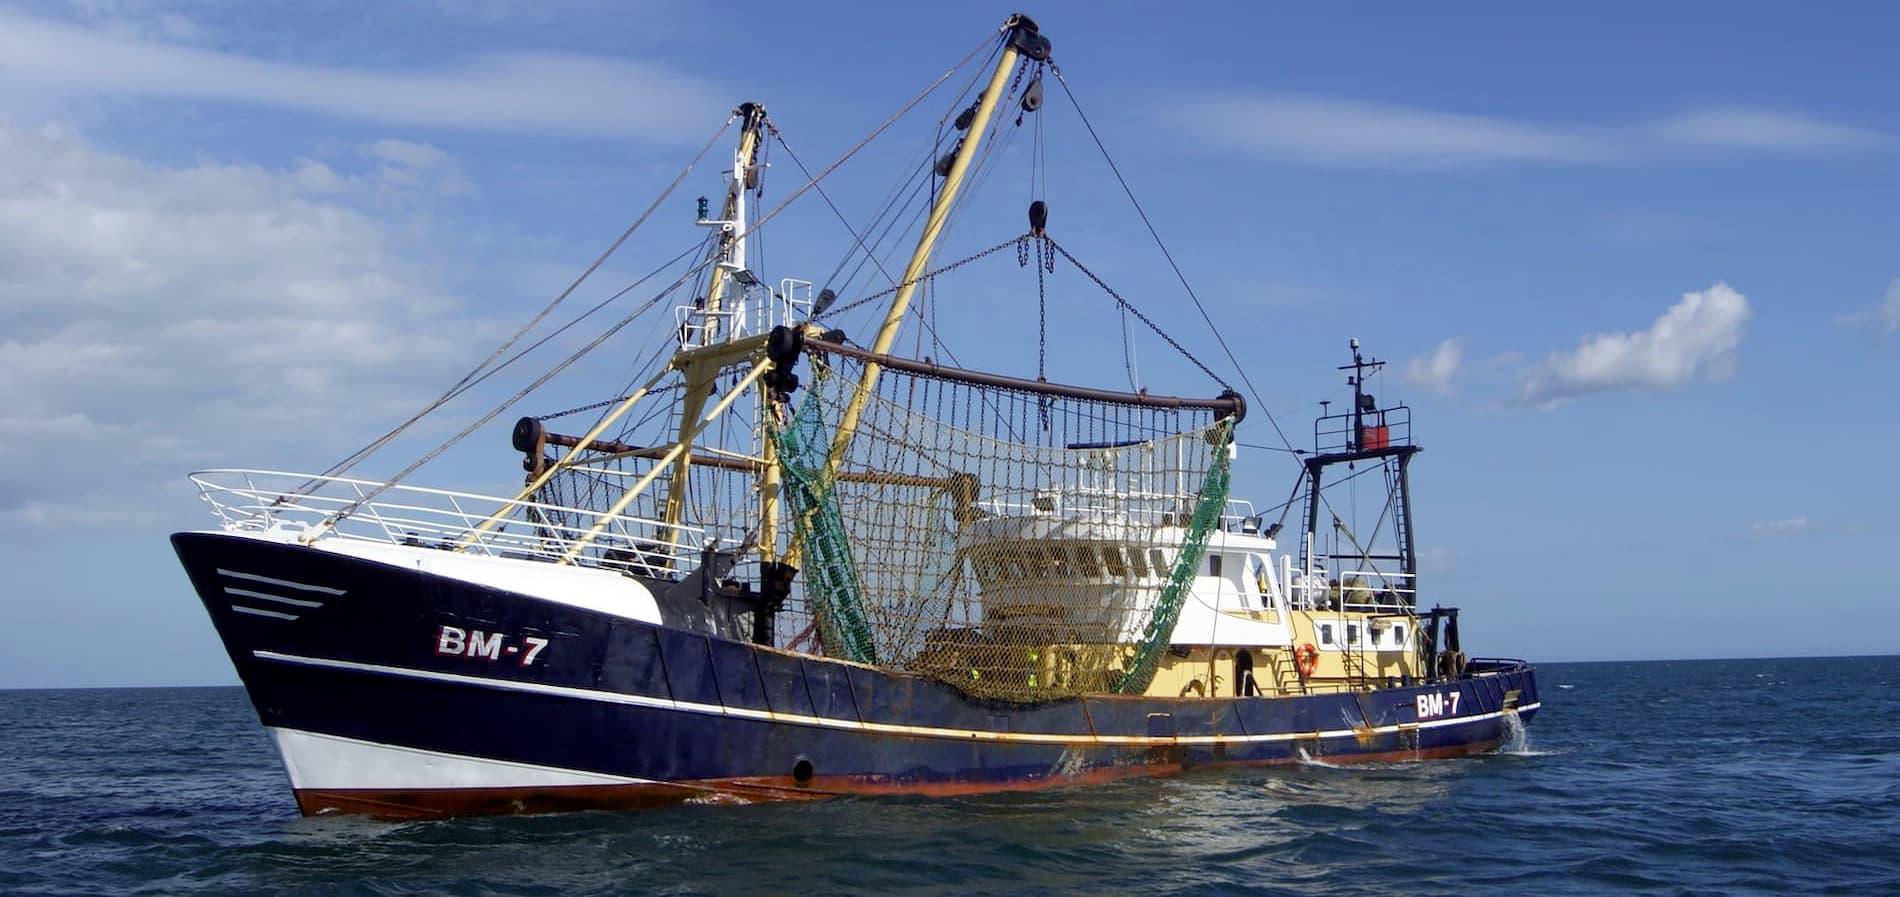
(1325, 633)
(1352, 633)
(1213, 565)
(1085, 561)
(1257, 576)
(1138, 562)
(1398, 635)
(1160, 561)
(1112, 561)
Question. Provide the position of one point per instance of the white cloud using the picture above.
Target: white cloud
(139, 18)
(1787, 526)
(1885, 316)
(409, 165)
(1437, 371)
(1764, 130)
(157, 317)
(553, 92)
(1347, 133)
(1694, 340)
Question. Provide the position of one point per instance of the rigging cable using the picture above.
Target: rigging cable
(1129, 191)
(927, 275)
(565, 363)
(469, 378)
(868, 253)
(384, 440)
(1124, 303)
(861, 144)
(856, 238)
(1179, 275)
(584, 316)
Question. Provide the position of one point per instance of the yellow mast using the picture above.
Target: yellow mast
(717, 347)
(701, 376)
(1019, 31)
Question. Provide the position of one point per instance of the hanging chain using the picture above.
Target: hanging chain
(1042, 319)
(1042, 332)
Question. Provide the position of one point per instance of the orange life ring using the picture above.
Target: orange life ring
(1306, 659)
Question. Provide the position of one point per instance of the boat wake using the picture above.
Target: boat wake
(720, 798)
(1517, 739)
(1307, 759)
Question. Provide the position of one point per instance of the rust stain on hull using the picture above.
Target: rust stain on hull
(398, 804)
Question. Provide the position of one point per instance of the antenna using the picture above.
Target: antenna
(1362, 402)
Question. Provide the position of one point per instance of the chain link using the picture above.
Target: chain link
(892, 290)
(1124, 303)
(599, 405)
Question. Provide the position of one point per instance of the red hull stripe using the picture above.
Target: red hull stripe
(442, 802)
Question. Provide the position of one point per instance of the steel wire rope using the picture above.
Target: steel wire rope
(835, 164)
(813, 180)
(1123, 302)
(581, 317)
(359, 455)
(869, 254)
(927, 275)
(856, 238)
(565, 363)
(902, 215)
(1179, 275)
(861, 144)
(921, 164)
(975, 177)
(544, 340)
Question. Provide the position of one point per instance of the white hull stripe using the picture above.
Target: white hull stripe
(260, 612)
(332, 761)
(234, 574)
(608, 697)
(299, 602)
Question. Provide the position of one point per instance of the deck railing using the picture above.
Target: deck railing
(1372, 430)
(279, 501)
(1131, 507)
(1360, 591)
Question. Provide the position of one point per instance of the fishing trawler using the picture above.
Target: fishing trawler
(784, 564)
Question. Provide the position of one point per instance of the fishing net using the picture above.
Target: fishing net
(1020, 545)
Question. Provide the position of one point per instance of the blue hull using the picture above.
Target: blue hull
(661, 714)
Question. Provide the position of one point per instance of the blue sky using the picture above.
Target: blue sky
(1634, 268)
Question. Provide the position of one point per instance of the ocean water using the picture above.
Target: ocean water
(1694, 777)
